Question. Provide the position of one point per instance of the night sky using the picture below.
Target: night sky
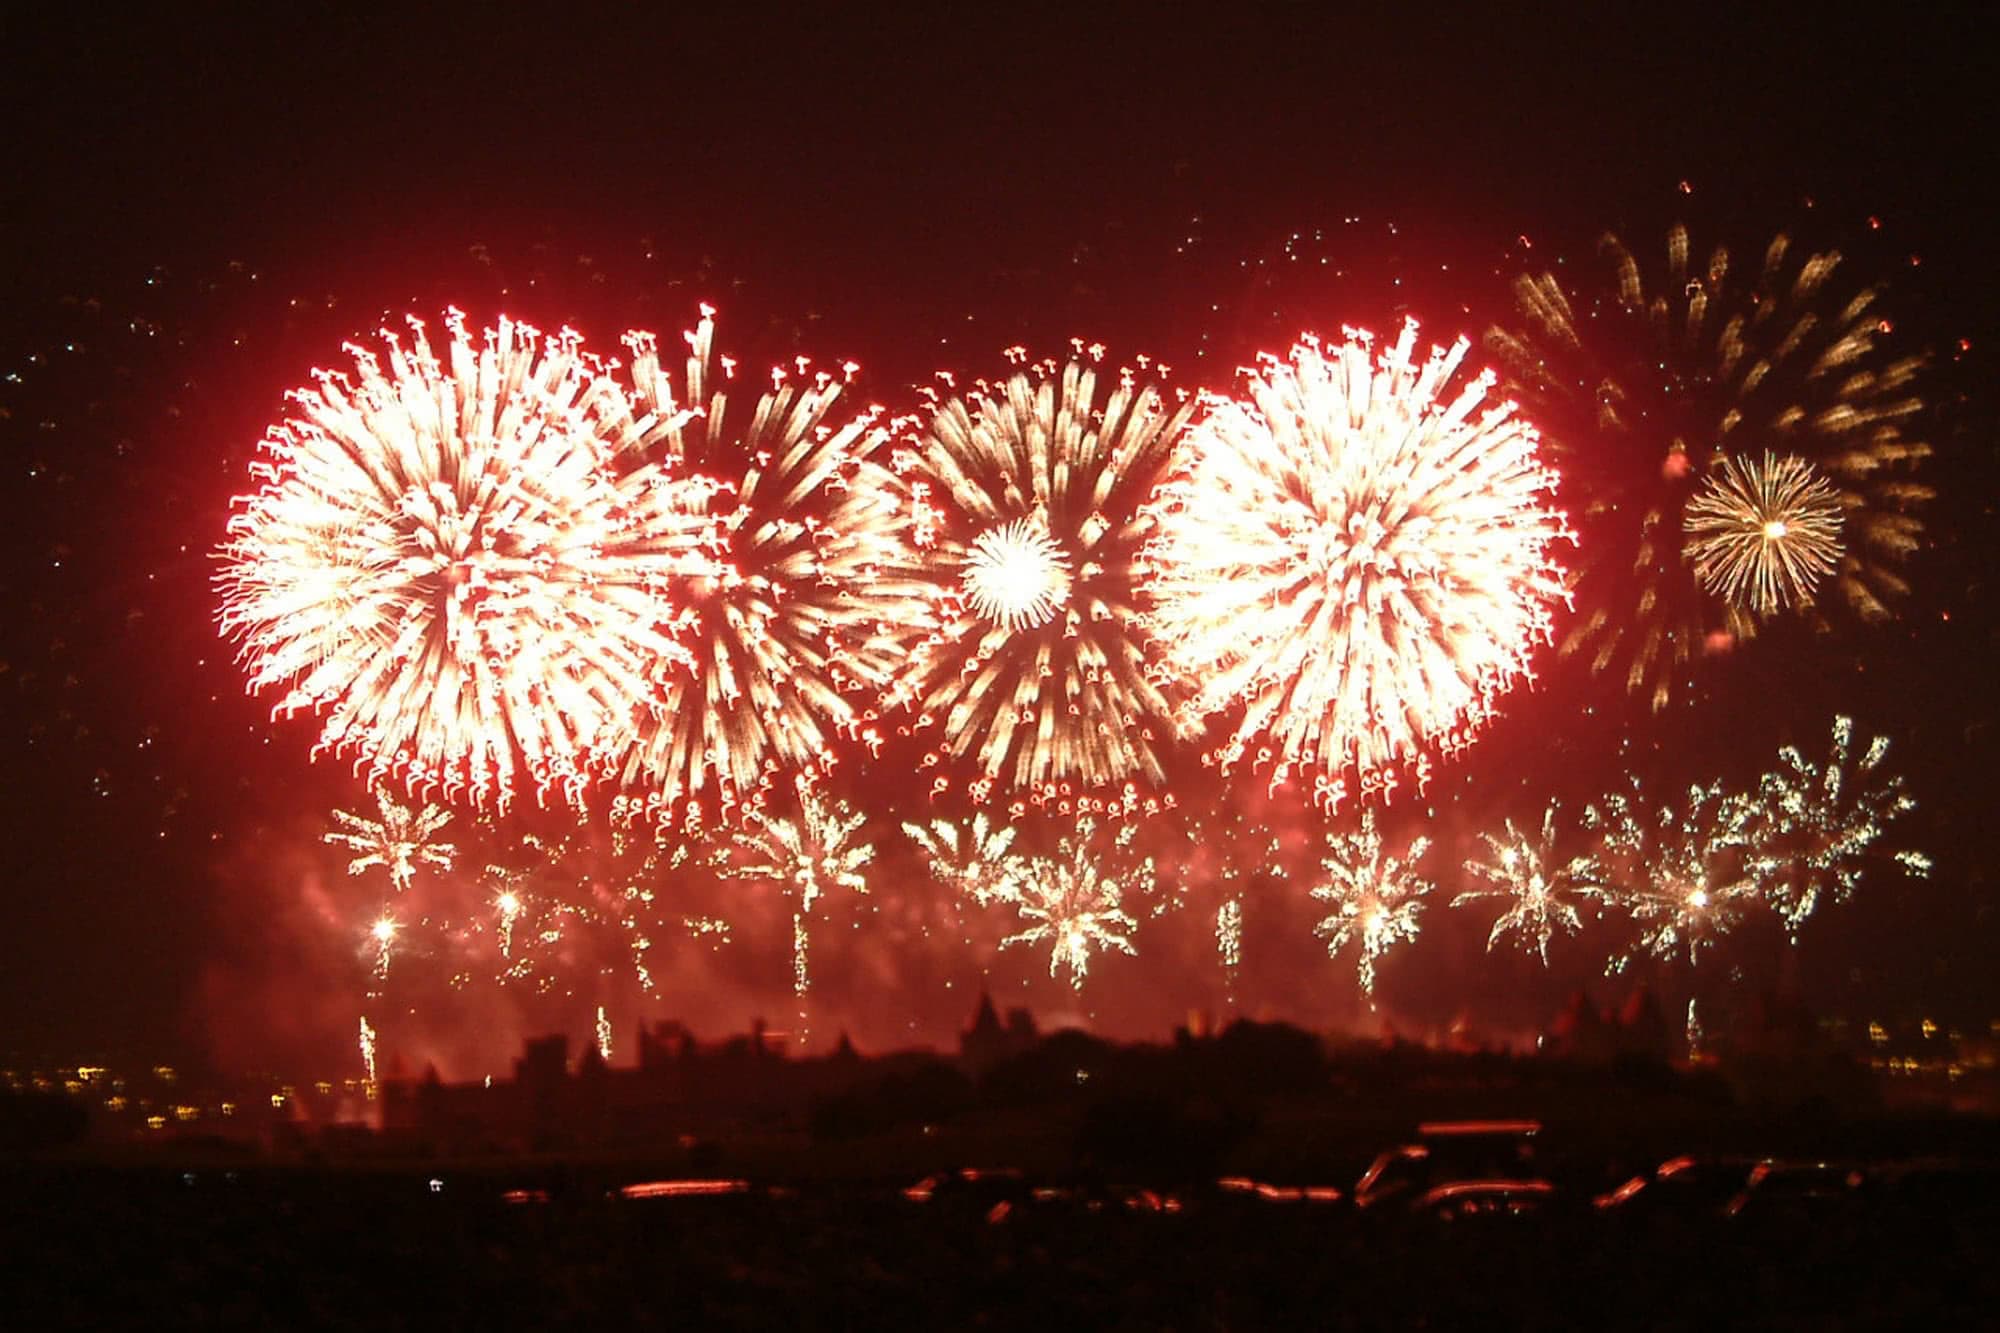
(198, 213)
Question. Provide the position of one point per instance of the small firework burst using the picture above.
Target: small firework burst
(1073, 902)
(972, 858)
(1683, 871)
(1646, 388)
(1538, 883)
(1355, 563)
(1024, 526)
(1762, 535)
(399, 842)
(780, 537)
(1376, 898)
(1821, 824)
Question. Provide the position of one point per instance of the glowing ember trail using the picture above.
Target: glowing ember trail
(1375, 898)
(428, 562)
(399, 842)
(1024, 529)
(368, 1050)
(1354, 564)
(1762, 535)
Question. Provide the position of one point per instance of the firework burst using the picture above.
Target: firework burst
(781, 534)
(429, 563)
(1762, 535)
(806, 857)
(1376, 898)
(399, 842)
(1354, 564)
(973, 859)
(1537, 882)
(1685, 872)
(1073, 902)
(1025, 527)
(1646, 389)
(1820, 824)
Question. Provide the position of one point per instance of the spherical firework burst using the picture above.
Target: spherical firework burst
(781, 534)
(1539, 884)
(1025, 527)
(1820, 824)
(399, 841)
(973, 859)
(427, 562)
(1685, 872)
(805, 857)
(1353, 564)
(1646, 389)
(1073, 902)
(1376, 898)
(1762, 535)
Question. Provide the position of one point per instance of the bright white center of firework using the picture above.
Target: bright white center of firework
(508, 904)
(1016, 576)
(1775, 530)
(1698, 899)
(385, 930)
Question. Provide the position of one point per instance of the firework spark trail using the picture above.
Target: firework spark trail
(1073, 903)
(805, 857)
(783, 536)
(1376, 898)
(1229, 940)
(1645, 391)
(367, 1040)
(1818, 825)
(1762, 535)
(399, 842)
(972, 859)
(1685, 872)
(1356, 562)
(1025, 529)
(603, 1034)
(1536, 880)
(430, 563)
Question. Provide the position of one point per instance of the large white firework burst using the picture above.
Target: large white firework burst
(1685, 870)
(400, 841)
(1644, 388)
(1761, 535)
(1073, 902)
(1376, 897)
(1025, 526)
(1819, 824)
(1539, 884)
(431, 561)
(782, 534)
(806, 856)
(1357, 561)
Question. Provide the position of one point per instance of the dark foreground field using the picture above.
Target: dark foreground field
(260, 1248)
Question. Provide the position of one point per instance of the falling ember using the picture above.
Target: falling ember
(431, 563)
(1229, 938)
(368, 1050)
(1024, 532)
(399, 841)
(1376, 898)
(1356, 562)
(603, 1034)
(1762, 535)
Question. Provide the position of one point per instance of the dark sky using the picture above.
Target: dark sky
(198, 210)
